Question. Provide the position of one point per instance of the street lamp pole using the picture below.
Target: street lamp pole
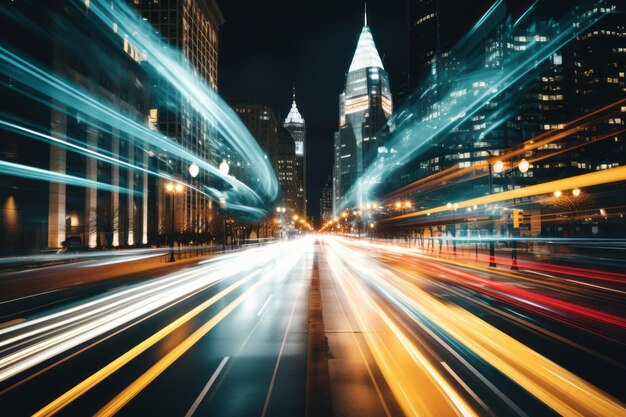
(172, 259)
(492, 245)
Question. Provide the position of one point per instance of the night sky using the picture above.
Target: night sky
(265, 46)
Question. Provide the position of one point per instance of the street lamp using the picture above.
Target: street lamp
(523, 166)
(224, 167)
(194, 170)
(558, 193)
(576, 192)
(173, 189)
(497, 167)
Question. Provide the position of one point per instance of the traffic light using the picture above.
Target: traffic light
(518, 218)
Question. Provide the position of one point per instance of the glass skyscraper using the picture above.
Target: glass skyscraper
(364, 107)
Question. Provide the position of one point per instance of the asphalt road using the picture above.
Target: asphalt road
(226, 337)
(451, 336)
(407, 332)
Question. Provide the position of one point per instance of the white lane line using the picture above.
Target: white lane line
(29, 296)
(464, 385)
(264, 305)
(541, 273)
(206, 388)
(595, 286)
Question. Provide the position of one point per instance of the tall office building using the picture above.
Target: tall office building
(37, 214)
(295, 125)
(364, 107)
(423, 39)
(192, 27)
(326, 202)
(287, 170)
(262, 124)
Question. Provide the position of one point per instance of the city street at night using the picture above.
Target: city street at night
(314, 209)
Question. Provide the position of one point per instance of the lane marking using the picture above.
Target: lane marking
(280, 354)
(264, 305)
(90, 382)
(29, 296)
(596, 286)
(207, 387)
(116, 404)
(464, 385)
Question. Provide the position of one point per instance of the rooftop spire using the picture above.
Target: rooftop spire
(365, 14)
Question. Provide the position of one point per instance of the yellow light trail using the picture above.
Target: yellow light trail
(419, 388)
(586, 180)
(552, 384)
(90, 382)
(157, 369)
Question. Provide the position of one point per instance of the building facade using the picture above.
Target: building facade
(364, 107)
(326, 202)
(37, 214)
(296, 126)
(262, 124)
(192, 27)
(287, 171)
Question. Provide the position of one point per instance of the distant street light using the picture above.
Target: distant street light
(558, 193)
(498, 167)
(194, 170)
(576, 192)
(523, 166)
(172, 189)
(224, 167)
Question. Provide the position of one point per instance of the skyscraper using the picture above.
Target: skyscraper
(287, 171)
(364, 107)
(261, 122)
(294, 123)
(190, 26)
(326, 202)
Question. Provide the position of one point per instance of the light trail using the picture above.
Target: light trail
(558, 388)
(411, 131)
(31, 342)
(606, 176)
(294, 252)
(119, 23)
(418, 386)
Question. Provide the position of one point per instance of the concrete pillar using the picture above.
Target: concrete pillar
(56, 198)
(115, 194)
(130, 234)
(91, 194)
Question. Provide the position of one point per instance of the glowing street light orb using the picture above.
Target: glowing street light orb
(407, 204)
(224, 167)
(498, 167)
(576, 192)
(179, 187)
(398, 204)
(169, 187)
(523, 166)
(558, 193)
(194, 170)
(449, 205)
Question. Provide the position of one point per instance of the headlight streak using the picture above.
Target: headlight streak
(606, 176)
(568, 395)
(55, 333)
(415, 398)
(292, 255)
(545, 305)
(410, 135)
